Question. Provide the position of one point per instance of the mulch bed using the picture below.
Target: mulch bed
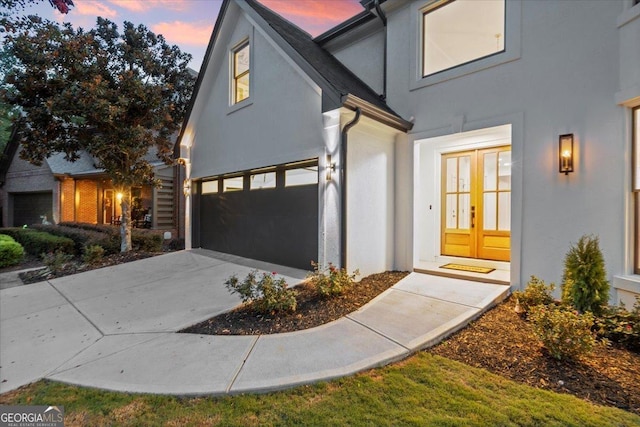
(503, 343)
(76, 266)
(311, 311)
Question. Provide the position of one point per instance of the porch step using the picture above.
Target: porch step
(474, 277)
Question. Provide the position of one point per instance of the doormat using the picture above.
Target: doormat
(468, 268)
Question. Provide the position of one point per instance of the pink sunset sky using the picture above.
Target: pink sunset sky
(188, 23)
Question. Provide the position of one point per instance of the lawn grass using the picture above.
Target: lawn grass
(422, 390)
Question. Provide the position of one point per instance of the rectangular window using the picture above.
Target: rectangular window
(210, 187)
(636, 186)
(456, 32)
(301, 176)
(263, 180)
(232, 184)
(240, 83)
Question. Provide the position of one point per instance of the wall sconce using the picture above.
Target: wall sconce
(186, 187)
(331, 167)
(565, 154)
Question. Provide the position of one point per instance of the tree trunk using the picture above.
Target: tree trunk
(125, 224)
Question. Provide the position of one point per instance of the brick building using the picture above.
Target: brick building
(79, 191)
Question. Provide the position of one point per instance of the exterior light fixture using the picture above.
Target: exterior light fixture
(331, 167)
(186, 187)
(565, 154)
(119, 197)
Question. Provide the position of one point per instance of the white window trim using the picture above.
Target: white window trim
(234, 106)
(512, 47)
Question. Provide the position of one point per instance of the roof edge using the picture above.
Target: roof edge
(373, 112)
(344, 27)
(203, 69)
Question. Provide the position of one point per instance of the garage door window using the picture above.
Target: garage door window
(232, 184)
(209, 187)
(264, 180)
(301, 176)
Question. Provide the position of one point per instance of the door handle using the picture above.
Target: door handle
(473, 216)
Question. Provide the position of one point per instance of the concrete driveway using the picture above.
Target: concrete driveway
(114, 328)
(45, 324)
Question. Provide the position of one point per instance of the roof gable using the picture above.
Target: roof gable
(340, 86)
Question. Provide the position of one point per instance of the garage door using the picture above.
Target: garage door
(28, 207)
(269, 215)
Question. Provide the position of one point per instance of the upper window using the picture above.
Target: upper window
(241, 65)
(456, 32)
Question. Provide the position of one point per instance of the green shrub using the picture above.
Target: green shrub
(92, 254)
(83, 238)
(331, 280)
(37, 242)
(536, 293)
(267, 294)
(584, 282)
(11, 252)
(620, 325)
(142, 240)
(6, 238)
(146, 240)
(564, 333)
(56, 261)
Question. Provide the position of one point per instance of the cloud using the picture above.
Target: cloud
(180, 32)
(94, 8)
(144, 5)
(315, 16)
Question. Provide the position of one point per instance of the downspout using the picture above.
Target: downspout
(343, 183)
(383, 18)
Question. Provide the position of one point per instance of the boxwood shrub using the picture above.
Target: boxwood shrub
(37, 242)
(11, 252)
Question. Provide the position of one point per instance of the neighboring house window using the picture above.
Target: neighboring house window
(241, 65)
(456, 32)
(636, 187)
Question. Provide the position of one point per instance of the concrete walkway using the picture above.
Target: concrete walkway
(114, 328)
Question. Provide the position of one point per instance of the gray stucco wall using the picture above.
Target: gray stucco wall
(563, 81)
(280, 122)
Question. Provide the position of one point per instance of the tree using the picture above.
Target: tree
(113, 95)
(62, 5)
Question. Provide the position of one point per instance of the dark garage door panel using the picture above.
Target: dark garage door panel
(27, 208)
(277, 225)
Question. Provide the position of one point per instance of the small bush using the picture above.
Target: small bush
(584, 282)
(331, 280)
(92, 254)
(56, 261)
(11, 252)
(142, 240)
(174, 244)
(536, 293)
(37, 242)
(267, 294)
(83, 238)
(564, 333)
(620, 325)
(146, 240)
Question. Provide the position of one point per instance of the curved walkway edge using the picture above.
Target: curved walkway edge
(115, 330)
